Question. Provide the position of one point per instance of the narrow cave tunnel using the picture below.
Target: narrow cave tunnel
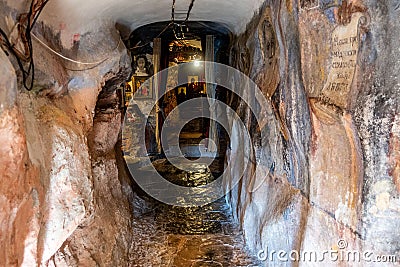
(199, 133)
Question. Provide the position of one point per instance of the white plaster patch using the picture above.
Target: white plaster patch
(344, 214)
(383, 201)
(381, 187)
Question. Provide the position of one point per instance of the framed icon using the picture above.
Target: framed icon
(127, 93)
(142, 87)
(142, 65)
(193, 79)
(182, 89)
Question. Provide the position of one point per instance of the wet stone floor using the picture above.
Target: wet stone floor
(174, 236)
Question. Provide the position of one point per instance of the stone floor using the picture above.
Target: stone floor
(188, 236)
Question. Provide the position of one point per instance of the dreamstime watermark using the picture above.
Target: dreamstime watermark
(231, 80)
(341, 254)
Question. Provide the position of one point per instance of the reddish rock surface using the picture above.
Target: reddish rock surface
(61, 200)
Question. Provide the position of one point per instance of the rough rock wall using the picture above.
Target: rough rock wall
(20, 187)
(376, 115)
(61, 200)
(331, 166)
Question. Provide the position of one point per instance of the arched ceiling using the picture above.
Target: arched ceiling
(235, 14)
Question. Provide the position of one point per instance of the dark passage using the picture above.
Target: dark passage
(189, 236)
(169, 235)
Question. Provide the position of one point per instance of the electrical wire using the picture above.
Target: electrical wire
(35, 10)
(26, 32)
(24, 35)
(173, 24)
(72, 60)
(30, 18)
(173, 11)
(189, 10)
(140, 46)
(184, 22)
(14, 52)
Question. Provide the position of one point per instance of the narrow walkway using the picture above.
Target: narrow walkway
(188, 237)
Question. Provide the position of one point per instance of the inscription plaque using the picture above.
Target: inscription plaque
(344, 50)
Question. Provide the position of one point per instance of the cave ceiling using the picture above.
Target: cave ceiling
(234, 14)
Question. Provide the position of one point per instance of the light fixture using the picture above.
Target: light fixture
(196, 63)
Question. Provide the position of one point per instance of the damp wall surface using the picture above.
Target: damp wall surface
(329, 160)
